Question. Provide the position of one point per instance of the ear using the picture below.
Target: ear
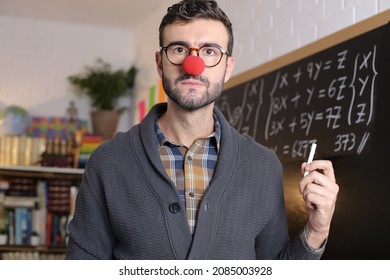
(158, 58)
(229, 68)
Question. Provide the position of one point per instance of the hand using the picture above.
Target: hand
(319, 191)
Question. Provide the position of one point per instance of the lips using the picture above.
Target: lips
(192, 82)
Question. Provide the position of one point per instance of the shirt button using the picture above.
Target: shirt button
(191, 194)
(174, 207)
(189, 158)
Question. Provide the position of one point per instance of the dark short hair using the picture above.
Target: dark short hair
(188, 10)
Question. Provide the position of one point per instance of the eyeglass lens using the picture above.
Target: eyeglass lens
(211, 55)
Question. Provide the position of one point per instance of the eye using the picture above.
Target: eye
(177, 49)
(209, 51)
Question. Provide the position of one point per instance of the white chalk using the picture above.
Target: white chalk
(311, 156)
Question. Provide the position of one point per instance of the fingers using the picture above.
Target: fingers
(319, 191)
(320, 180)
(320, 201)
(313, 196)
(323, 197)
(324, 165)
(319, 188)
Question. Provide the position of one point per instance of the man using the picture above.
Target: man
(183, 184)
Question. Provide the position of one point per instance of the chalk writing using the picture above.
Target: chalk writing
(327, 98)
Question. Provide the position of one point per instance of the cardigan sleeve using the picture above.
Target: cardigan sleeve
(273, 241)
(90, 235)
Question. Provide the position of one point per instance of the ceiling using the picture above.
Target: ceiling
(118, 14)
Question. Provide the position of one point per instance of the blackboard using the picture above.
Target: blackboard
(328, 97)
(335, 92)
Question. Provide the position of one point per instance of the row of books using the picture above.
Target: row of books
(29, 151)
(21, 150)
(23, 224)
(17, 187)
(39, 219)
(59, 153)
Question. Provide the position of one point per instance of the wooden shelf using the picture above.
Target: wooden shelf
(41, 172)
(60, 249)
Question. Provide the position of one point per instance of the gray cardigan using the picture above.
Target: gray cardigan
(128, 208)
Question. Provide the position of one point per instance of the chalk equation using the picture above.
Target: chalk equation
(327, 99)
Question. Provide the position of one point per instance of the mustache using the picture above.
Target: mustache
(187, 77)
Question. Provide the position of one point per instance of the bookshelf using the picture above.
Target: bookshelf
(41, 172)
(36, 204)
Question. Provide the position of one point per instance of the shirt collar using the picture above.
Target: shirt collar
(162, 140)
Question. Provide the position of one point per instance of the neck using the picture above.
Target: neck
(184, 127)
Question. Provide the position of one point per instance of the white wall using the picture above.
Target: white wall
(264, 29)
(146, 38)
(36, 57)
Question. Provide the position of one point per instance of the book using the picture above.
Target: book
(4, 185)
(2, 213)
(59, 196)
(18, 226)
(11, 226)
(21, 187)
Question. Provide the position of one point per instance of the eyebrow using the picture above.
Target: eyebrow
(182, 43)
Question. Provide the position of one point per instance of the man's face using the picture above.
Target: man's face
(194, 92)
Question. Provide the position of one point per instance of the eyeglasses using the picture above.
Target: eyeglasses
(211, 54)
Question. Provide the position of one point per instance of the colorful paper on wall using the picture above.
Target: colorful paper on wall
(152, 96)
(141, 110)
(161, 92)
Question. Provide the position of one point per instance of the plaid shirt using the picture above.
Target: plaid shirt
(190, 169)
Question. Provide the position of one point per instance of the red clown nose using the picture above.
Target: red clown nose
(193, 65)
